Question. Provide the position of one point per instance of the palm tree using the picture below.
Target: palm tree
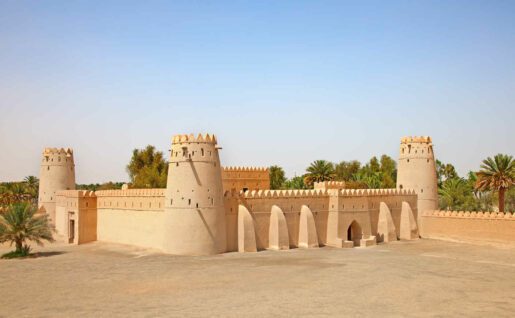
(318, 171)
(453, 193)
(497, 174)
(17, 190)
(32, 184)
(20, 224)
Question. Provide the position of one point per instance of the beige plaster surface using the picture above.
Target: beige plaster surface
(422, 278)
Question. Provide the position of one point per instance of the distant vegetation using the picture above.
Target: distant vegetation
(376, 173)
(97, 186)
(490, 187)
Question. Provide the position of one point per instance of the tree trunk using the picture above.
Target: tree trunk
(501, 199)
(19, 246)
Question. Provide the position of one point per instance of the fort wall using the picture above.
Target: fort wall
(245, 178)
(76, 216)
(334, 212)
(478, 227)
(260, 204)
(133, 216)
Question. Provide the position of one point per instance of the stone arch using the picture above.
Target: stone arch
(354, 233)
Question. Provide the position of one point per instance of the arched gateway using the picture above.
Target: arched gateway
(354, 233)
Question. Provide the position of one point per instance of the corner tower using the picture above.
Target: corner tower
(417, 171)
(57, 173)
(194, 207)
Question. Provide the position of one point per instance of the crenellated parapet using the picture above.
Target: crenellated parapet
(191, 138)
(76, 193)
(329, 185)
(416, 139)
(58, 151)
(254, 194)
(470, 214)
(245, 169)
(131, 199)
(131, 193)
(376, 192)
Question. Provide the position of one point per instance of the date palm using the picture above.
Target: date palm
(32, 184)
(318, 171)
(20, 224)
(497, 174)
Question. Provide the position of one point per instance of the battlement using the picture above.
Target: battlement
(471, 214)
(283, 193)
(329, 185)
(416, 139)
(375, 192)
(76, 193)
(131, 193)
(58, 151)
(320, 193)
(245, 169)
(207, 138)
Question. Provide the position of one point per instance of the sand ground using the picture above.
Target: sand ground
(424, 278)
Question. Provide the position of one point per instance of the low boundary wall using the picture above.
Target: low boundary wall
(477, 227)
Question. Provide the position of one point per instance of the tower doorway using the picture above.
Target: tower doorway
(354, 233)
(71, 227)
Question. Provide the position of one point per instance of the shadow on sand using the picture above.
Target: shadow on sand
(45, 254)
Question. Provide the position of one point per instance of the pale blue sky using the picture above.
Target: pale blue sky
(279, 82)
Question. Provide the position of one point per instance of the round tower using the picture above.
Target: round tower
(194, 206)
(417, 171)
(57, 173)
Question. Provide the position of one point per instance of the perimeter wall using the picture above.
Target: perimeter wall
(477, 227)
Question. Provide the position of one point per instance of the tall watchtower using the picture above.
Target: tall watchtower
(417, 171)
(194, 207)
(57, 173)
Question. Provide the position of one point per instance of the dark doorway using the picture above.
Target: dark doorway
(71, 231)
(354, 233)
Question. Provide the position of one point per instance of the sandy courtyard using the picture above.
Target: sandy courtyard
(422, 278)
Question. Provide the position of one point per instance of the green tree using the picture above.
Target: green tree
(497, 174)
(318, 171)
(32, 185)
(444, 172)
(277, 177)
(388, 172)
(20, 224)
(295, 183)
(368, 180)
(148, 168)
(456, 194)
(346, 170)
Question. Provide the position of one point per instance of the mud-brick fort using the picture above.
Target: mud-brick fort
(210, 209)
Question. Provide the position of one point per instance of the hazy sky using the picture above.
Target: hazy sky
(279, 82)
